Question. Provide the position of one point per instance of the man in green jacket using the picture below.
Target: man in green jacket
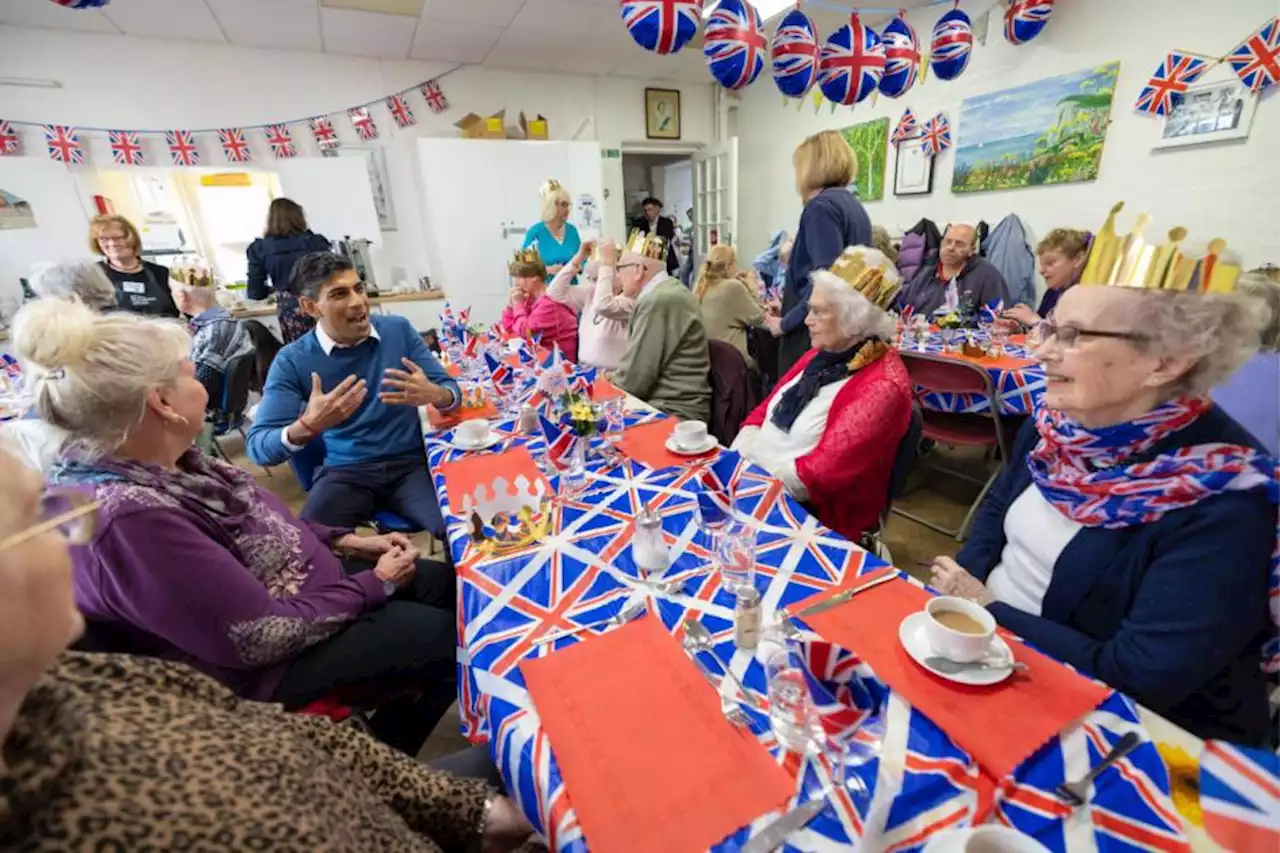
(667, 363)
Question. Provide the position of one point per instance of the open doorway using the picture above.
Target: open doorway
(667, 178)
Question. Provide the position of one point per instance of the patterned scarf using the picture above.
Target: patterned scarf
(1085, 475)
(823, 369)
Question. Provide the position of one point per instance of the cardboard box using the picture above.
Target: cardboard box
(479, 127)
(534, 128)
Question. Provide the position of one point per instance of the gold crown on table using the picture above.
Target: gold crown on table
(868, 280)
(647, 245)
(528, 255)
(549, 186)
(1130, 261)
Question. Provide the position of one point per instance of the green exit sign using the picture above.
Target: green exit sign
(612, 154)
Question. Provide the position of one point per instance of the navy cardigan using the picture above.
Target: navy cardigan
(831, 221)
(1172, 613)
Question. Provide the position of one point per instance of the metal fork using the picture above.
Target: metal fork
(731, 711)
(622, 616)
(1077, 793)
(698, 637)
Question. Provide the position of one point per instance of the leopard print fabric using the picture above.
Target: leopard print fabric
(114, 753)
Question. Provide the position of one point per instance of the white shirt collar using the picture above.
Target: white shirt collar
(653, 282)
(327, 343)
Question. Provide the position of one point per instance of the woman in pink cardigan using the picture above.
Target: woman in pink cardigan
(530, 310)
(604, 310)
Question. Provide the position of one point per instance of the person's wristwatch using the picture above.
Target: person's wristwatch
(477, 840)
(389, 587)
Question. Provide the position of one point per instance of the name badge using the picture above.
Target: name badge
(134, 287)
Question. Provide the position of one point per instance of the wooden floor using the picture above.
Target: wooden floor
(938, 497)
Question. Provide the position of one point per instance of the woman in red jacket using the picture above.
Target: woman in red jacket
(831, 427)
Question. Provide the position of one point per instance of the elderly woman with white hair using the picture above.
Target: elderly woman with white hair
(1131, 532)
(554, 235)
(831, 427)
(83, 280)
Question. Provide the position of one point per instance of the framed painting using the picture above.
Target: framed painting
(870, 144)
(662, 113)
(913, 168)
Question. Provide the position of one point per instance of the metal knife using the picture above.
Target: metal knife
(775, 833)
(840, 598)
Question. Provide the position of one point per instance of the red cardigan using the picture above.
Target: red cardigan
(848, 473)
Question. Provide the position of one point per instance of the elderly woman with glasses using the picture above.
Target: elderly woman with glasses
(113, 752)
(1132, 530)
(554, 236)
(194, 562)
(831, 427)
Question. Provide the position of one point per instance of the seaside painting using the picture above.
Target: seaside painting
(1047, 132)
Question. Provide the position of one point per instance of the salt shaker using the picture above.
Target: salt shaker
(747, 616)
(528, 420)
(649, 547)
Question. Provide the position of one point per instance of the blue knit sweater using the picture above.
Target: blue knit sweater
(376, 430)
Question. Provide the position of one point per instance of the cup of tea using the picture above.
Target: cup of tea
(690, 435)
(473, 432)
(959, 629)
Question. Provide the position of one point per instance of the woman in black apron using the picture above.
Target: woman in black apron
(141, 286)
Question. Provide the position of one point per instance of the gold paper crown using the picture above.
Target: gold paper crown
(595, 253)
(549, 186)
(527, 255)
(1130, 261)
(647, 245)
(868, 280)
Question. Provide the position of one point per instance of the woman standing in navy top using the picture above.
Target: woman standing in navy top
(832, 219)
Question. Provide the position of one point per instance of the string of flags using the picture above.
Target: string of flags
(128, 147)
(1256, 61)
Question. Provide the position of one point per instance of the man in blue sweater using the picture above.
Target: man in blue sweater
(373, 450)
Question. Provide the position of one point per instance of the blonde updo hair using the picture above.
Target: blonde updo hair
(721, 264)
(1220, 331)
(90, 373)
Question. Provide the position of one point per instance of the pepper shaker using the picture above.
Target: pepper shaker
(529, 420)
(747, 617)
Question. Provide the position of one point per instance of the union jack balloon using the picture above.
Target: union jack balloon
(82, 4)
(734, 43)
(794, 54)
(662, 26)
(851, 64)
(952, 45)
(901, 58)
(1024, 19)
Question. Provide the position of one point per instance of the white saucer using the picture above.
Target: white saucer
(955, 840)
(489, 441)
(911, 634)
(678, 450)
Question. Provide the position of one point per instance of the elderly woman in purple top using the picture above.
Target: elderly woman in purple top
(193, 562)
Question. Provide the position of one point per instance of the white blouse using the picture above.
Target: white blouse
(1036, 534)
(777, 451)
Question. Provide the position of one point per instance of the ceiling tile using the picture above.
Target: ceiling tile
(526, 51)
(569, 18)
(492, 13)
(189, 20)
(594, 62)
(367, 33)
(27, 14)
(412, 8)
(285, 25)
(444, 41)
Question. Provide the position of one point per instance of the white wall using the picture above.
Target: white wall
(1227, 189)
(158, 85)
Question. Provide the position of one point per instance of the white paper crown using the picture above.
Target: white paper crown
(503, 496)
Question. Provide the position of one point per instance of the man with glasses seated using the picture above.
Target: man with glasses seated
(356, 382)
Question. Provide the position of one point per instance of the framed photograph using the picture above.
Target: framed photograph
(913, 169)
(662, 113)
(1209, 112)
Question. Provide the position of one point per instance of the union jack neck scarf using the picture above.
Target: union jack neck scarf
(1085, 474)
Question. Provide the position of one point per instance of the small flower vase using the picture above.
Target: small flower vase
(573, 479)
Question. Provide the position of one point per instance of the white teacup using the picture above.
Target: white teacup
(472, 432)
(691, 434)
(984, 839)
(959, 629)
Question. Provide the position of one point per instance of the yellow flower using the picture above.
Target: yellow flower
(1184, 781)
(580, 411)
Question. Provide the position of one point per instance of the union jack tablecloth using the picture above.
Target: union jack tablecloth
(1017, 388)
(920, 781)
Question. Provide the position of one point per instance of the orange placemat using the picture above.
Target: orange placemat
(1004, 362)
(464, 475)
(605, 390)
(1000, 725)
(448, 420)
(645, 443)
(649, 762)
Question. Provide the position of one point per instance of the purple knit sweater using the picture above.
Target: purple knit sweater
(236, 596)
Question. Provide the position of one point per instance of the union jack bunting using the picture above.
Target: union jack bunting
(182, 148)
(1256, 61)
(234, 145)
(434, 95)
(125, 148)
(1169, 83)
(559, 442)
(734, 43)
(662, 26)
(9, 142)
(1240, 796)
(908, 127)
(500, 370)
(363, 123)
(280, 140)
(937, 135)
(64, 144)
(322, 130)
(400, 111)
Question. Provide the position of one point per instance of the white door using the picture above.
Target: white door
(715, 196)
(335, 193)
(481, 196)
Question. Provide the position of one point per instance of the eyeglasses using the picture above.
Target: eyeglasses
(123, 238)
(821, 313)
(71, 513)
(622, 267)
(1069, 336)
